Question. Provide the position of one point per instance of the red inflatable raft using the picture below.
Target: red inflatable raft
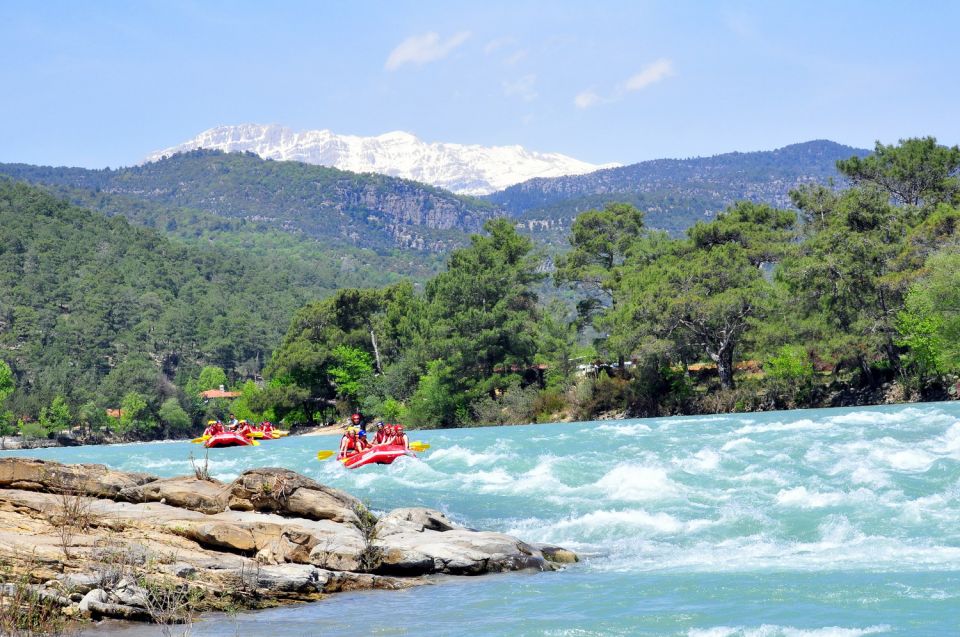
(227, 439)
(378, 454)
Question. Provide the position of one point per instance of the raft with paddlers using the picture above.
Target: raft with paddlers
(229, 439)
(378, 454)
(251, 433)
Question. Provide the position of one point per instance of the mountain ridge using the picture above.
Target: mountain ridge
(676, 192)
(469, 169)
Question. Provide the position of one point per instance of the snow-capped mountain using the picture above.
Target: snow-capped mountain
(464, 169)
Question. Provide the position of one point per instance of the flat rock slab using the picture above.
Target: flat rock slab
(270, 535)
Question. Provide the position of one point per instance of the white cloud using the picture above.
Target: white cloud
(524, 88)
(515, 57)
(651, 74)
(493, 45)
(586, 99)
(420, 49)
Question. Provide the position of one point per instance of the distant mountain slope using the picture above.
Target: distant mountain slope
(461, 168)
(327, 204)
(94, 307)
(675, 192)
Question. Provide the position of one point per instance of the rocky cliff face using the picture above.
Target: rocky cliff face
(102, 543)
(464, 169)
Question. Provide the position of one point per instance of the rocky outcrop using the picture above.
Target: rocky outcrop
(104, 543)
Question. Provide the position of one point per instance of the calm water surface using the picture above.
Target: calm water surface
(816, 523)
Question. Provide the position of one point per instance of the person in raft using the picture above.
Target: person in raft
(400, 438)
(244, 429)
(383, 434)
(233, 421)
(214, 427)
(357, 420)
(362, 443)
(349, 444)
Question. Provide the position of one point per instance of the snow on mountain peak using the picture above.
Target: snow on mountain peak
(464, 169)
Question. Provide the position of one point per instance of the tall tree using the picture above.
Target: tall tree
(483, 308)
(705, 290)
(916, 172)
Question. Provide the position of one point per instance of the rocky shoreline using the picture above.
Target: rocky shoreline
(95, 543)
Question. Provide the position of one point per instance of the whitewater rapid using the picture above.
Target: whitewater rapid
(816, 523)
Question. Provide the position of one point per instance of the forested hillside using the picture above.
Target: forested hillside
(674, 193)
(93, 308)
(334, 206)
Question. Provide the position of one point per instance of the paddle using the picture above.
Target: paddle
(323, 455)
(419, 446)
(202, 438)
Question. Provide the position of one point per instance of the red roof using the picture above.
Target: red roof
(219, 393)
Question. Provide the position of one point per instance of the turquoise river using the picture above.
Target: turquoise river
(817, 523)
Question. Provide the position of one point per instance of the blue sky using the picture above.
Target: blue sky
(103, 83)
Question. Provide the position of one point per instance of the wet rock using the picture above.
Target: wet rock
(556, 554)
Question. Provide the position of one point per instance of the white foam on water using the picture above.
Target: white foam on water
(734, 444)
(801, 498)
(705, 460)
(752, 474)
(768, 630)
(905, 460)
(624, 429)
(798, 425)
(601, 528)
(465, 456)
(636, 483)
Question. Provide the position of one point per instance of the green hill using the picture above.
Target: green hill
(336, 207)
(94, 307)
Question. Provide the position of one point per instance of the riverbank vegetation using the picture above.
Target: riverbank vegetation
(849, 297)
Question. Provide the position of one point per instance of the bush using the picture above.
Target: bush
(608, 393)
(790, 375)
(549, 404)
(515, 406)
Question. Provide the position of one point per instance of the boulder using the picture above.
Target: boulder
(205, 496)
(292, 578)
(220, 535)
(95, 595)
(413, 519)
(420, 541)
(94, 480)
(556, 554)
(290, 494)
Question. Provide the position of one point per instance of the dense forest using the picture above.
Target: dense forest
(93, 309)
(848, 296)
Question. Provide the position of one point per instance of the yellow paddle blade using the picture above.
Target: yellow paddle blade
(201, 439)
(323, 455)
(254, 443)
(419, 446)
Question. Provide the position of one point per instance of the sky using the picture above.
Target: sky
(99, 84)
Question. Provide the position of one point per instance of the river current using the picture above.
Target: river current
(813, 523)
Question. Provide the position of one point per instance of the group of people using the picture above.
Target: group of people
(355, 439)
(241, 427)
